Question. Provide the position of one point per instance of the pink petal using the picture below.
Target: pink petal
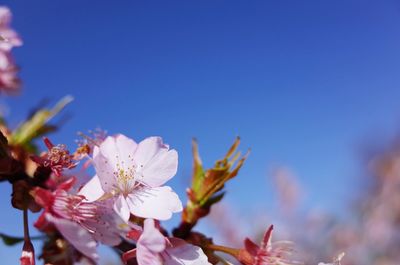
(150, 244)
(5, 16)
(76, 235)
(92, 190)
(106, 226)
(182, 253)
(157, 203)
(126, 148)
(104, 170)
(151, 237)
(266, 241)
(114, 154)
(147, 149)
(154, 162)
(118, 150)
(161, 168)
(146, 257)
(251, 247)
(121, 208)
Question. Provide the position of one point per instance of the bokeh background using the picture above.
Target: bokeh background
(312, 87)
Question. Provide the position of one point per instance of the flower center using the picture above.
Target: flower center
(126, 177)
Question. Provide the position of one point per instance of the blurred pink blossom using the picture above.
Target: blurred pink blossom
(11, 38)
(9, 82)
(267, 253)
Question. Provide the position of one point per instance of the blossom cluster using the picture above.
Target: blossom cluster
(125, 200)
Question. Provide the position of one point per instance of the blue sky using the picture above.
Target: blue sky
(306, 84)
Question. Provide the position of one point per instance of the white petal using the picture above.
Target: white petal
(151, 237)
(79, 237)
(126, 148)
(105, 226)
(150, 244)
(148, 148)
(105, 172)
(92, 190)
(121, 208)
(161, 168)
(156, 203)
(118, 150)
(146, 257)
(108, 149)
(114, 154)
(182, 253)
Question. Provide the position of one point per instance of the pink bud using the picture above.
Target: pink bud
(28, 254)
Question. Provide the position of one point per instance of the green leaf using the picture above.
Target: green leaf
(35, 125)
(11, 240)
(198, 171)
(213, 200)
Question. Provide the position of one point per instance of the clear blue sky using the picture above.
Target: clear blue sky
(304, 83)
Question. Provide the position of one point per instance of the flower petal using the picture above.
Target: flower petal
(92, 190)
(182, 253)
(146, 257)
(157, 203)
(118, 150)
(76, 235)
(106, 226)
(147, 149)
(150, 244)
(161, 168)
(151, 237)
(121, 208)
(114, 154)
(104, 170)
(126, 148)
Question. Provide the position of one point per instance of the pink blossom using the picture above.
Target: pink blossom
(335, 262)
(10, 37)
(28, 254)
(8, 72)
(153, 248)
(9, 82)
(132, 174)
(82, 223)
(267, 253)
(57, 158)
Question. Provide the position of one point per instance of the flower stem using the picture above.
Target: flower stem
(231, 251)
(26, 226)
(28, 251)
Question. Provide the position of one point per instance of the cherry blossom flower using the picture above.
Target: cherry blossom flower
(57, 158)
(132, 174)
(153, 248)
(267, 253)
(82, 223)
(9, 36)
(9, 82)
